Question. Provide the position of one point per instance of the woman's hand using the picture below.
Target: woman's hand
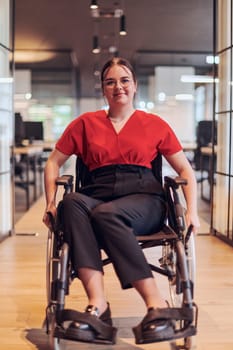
(192, 219)
(51, 173)
(49, 216)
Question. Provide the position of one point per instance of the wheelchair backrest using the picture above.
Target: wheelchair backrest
(83, 174)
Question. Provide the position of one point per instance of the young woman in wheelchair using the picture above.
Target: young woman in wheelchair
(123, 198)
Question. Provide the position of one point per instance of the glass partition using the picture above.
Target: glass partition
(222, 210)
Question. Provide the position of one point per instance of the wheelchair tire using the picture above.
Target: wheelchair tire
(191, 258)
(52, 267)
(52, 276)
(54, 342)
(48, 267)
(175, 287)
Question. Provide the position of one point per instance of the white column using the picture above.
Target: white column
(6, 121)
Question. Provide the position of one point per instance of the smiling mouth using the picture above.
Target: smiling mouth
(119, 94)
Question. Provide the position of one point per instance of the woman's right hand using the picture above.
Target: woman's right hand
(49, 216)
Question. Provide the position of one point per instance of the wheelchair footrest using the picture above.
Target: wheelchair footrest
(186, 332)
(94, 330)
(159, 325)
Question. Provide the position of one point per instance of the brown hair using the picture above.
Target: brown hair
(120, 62)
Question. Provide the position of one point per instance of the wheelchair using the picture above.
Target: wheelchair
(177, 263)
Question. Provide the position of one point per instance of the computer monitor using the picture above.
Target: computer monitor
(19, 129)
(34, 130)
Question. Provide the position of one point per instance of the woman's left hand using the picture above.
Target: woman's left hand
(193, 219)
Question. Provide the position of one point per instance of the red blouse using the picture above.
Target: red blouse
(93, 137)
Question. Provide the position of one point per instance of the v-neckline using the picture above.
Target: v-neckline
(117, 132)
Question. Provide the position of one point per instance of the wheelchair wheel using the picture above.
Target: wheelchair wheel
(191, 258)
(175, 286)
(57, 277)
(52, 267)
(177, 293)
(54, 343)
(52, 276)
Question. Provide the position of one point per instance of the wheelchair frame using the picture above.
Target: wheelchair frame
(177, 263)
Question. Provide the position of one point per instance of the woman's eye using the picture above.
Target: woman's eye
(110, 83)
(125, 81)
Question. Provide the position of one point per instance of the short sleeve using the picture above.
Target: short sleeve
(71, 141)
(169, 143)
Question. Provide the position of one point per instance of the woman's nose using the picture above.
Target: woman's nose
(118, 84)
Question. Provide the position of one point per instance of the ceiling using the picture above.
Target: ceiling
(58, 35)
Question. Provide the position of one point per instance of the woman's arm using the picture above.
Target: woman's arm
(181, 165)
(51, 173)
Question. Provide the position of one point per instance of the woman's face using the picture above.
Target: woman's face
(119, 86)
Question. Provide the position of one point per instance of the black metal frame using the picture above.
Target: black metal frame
(227, 175)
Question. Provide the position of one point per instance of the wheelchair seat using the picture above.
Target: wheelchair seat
(177, 263)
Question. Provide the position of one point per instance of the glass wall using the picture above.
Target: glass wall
(223, 175)
(6, 117)
(48, 97)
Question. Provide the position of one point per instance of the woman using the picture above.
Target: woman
(117, 146)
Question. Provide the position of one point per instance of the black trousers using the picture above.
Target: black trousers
(90, 223)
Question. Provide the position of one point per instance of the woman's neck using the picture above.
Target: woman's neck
(118, 115)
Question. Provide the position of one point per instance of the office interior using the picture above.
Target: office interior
(45, 83)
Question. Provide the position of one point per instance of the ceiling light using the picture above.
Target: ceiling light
(184, 97)
(95, 46)
(6, 80)
(150, 105)
(96, 73)
(112, 49)
(94, 5)
(197, 79)
(162, 96)
(118, 13)
(212, 59)
(28, 96)
(28, 56)
(122, 25)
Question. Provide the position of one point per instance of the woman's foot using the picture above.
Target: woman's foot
(93, 326)
(155, 326)
(104, 316)
(94, 311)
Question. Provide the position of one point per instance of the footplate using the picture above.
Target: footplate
(145, 335)
(141, 339)
(96, 331)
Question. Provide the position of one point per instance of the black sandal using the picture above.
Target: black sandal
(88, 327)
(159, 325)
(156, 326)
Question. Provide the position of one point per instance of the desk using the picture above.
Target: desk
(207, 150)
(189, 150)
(31, 155)
(47, 147)
(189, 146)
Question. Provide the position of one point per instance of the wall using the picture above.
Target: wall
(174, 100)
(6, 119)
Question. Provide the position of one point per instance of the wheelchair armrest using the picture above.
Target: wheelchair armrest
(66, 181)
(175, 181)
